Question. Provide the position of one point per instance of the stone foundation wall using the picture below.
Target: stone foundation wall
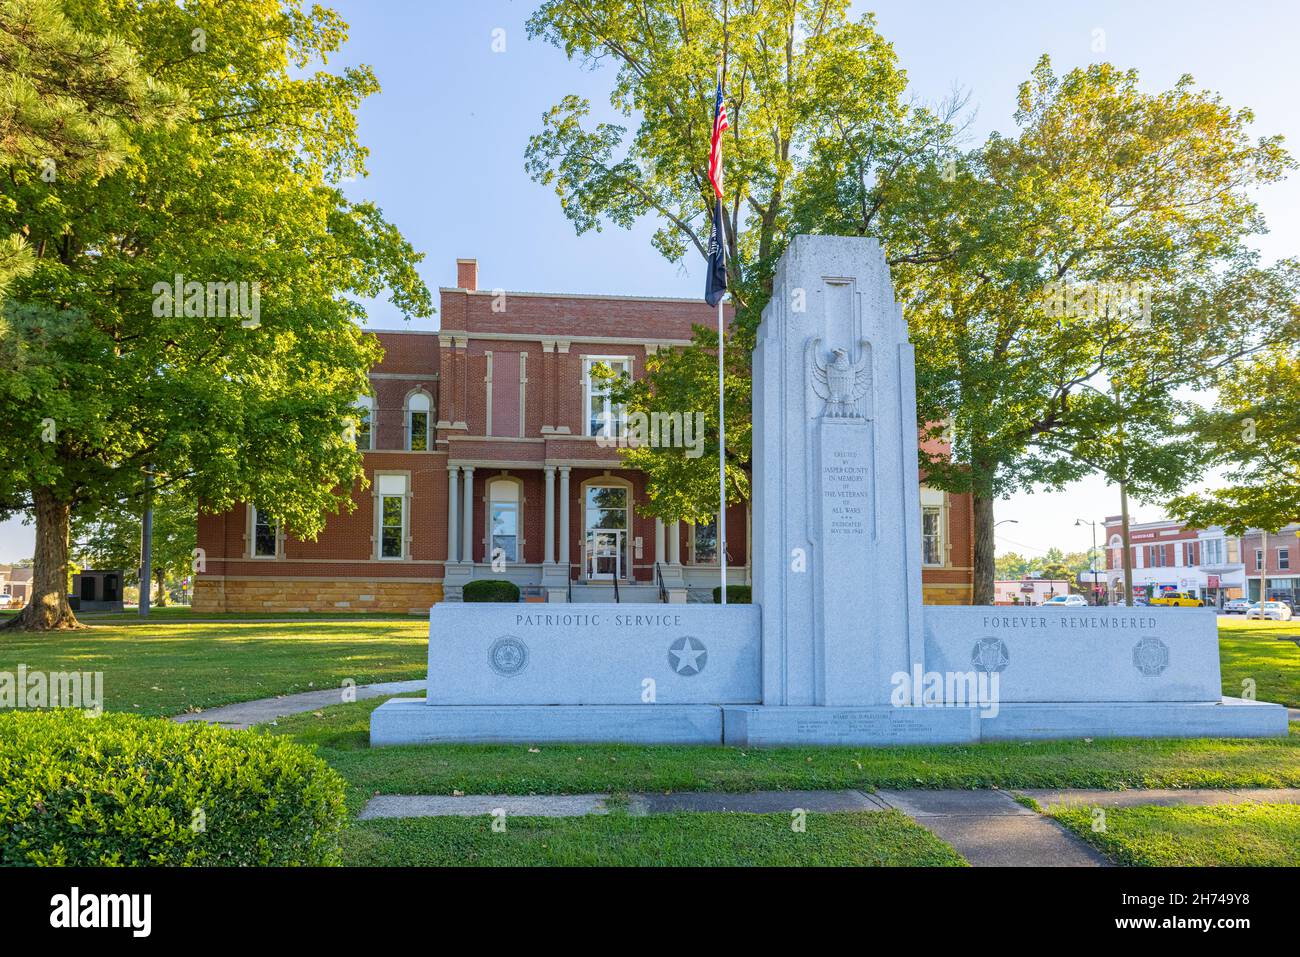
(310, 594)
(947, 594)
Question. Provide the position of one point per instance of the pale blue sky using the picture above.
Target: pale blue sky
(447, 136)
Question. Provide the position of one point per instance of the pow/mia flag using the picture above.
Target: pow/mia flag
(715, 281)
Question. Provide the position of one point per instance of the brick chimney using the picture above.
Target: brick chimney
(467, 274)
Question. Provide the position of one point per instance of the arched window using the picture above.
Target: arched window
(504, 520)
(417, 422)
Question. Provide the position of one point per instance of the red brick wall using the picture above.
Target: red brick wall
(451, 366)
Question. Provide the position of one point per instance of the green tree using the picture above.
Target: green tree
(242, 399)
(1105, 190)
(63, 97)
(802, 78)
(1252, 432)
(1010, 566)
(108, 536)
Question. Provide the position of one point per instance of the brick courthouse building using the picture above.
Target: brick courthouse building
(481, 438)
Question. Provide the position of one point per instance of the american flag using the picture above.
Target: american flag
(720, 124)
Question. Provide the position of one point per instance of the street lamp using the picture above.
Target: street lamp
(1092, 555)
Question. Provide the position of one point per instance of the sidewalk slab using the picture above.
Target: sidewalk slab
(475, 805)
(921, 802)
(1175, 797)
(245, 714)
(756, 802)
(990, 829)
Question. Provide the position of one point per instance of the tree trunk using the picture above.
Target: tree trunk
(160, 593)
(48, 608)
(985, 549)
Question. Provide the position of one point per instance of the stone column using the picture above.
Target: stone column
(564, 520)
(659, 541)
(453, 516)
(674, 579)
(548, 550)
(467, 542)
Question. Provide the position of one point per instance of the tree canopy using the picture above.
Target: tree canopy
(194, 311)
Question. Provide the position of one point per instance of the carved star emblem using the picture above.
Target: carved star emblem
(687, 656)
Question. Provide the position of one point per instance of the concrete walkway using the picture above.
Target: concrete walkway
(1192, 797)
(989, 828)
(248, 713)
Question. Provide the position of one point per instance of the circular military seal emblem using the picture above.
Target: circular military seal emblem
(990, 655)
(1151, 657)
(687, 656)
(508, 656)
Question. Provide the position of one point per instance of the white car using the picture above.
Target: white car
(1237, 606)
(1067, 601)
(1272, 610)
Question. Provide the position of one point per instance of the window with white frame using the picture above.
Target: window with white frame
(1284, 558)
(391, 515)
(264, 534)
(1259, 559)
(362, 415)
(418, 408)
(1212, 550)
(503, 519)
(932, 526)
(604, 417)
(932, 535)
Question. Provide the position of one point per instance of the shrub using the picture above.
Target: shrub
(118, 789)
(736, 595)
(488, 589)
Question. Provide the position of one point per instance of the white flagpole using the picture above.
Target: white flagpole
(722, 465)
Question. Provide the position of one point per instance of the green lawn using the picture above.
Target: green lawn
(1252, 650)
(164, 668)
(172, 613)
(341, 736)
(870, 839)
(1245, 835)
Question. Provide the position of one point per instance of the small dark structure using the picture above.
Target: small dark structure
(97, 590)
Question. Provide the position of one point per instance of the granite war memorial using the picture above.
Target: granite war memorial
(837, 648)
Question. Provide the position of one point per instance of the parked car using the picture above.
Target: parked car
(1237, 606)
(1068, 601)
(1271, 610)
(1176, 599)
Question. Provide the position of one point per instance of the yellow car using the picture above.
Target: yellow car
(1177, 599)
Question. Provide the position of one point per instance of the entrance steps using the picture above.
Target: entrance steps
(603, 594)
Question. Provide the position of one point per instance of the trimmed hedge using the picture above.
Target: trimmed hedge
(736, 595)
(488, 589)
(117, 789)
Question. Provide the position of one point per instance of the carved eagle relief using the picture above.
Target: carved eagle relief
(841, 382)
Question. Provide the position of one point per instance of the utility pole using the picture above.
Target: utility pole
(146, 545)
(1263, 566)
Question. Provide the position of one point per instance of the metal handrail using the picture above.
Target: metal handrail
(614, 575)
(568, 581)
(663, 589)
